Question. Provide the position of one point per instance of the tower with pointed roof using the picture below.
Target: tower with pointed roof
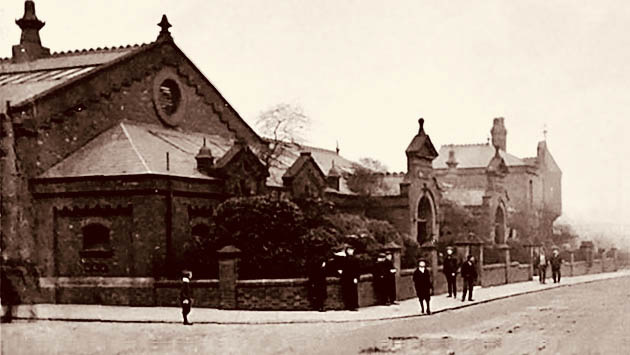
(421, 187)
(30, 47)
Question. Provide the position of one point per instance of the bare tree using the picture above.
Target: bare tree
(373, 165)
(282, 125)
(366, 178)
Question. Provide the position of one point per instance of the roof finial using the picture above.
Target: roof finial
(337, 148)
(30, 47)
(164, 32)
(545, 132)
(421, 124)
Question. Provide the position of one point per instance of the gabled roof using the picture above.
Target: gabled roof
(323, 157)
(421, 145)
(473, 156)
(497, 163)
(20, 82)
(296, 167)
(133, 148)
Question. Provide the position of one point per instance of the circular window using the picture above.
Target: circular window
(168, 98)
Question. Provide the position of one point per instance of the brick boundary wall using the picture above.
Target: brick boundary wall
(267, 294)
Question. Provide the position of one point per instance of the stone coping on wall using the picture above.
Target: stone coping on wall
(95, 281)
(494, 266)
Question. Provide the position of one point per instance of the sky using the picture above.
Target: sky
(365, 71)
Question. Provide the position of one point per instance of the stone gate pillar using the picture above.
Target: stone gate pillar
(532, 246)
(465, 247)
(429, 252)
(587, 247)
(506, 259)
(229, 257)
(614, 256)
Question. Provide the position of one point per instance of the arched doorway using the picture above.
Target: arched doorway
(499, 226)
(425, 220)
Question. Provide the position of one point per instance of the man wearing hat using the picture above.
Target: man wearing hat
(450, 271)
(423, 285)
(379, 278)
(556, 263)
(469, 274)
(349, 273)
(185, 295)
(390, 279)
(317, 280)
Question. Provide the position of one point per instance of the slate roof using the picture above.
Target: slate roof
(20, 82)
(133, 148)
(473, 156)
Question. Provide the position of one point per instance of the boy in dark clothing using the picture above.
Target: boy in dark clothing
(424, 285)
(450, 271)
(469, 275)
(185, 296)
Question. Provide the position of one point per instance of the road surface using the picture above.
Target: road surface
(591, 318)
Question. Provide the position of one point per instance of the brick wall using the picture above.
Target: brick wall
(493, 274)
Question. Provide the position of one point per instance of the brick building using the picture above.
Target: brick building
(510, 195)
(113, 158)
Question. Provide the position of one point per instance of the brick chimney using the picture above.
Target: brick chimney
(30, 47)
(499, 134)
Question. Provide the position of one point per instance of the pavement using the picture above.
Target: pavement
(405, 309)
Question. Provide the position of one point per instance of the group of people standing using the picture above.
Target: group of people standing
(344, 265)
(423, 282)
(541, 262)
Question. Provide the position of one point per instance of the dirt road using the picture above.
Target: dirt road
(589, 318)
(583, 319)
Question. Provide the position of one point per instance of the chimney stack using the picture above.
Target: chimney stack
(30, 47)
(499, 134)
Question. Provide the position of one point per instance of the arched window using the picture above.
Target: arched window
(96, 237)
(425, 220)
(499, 226)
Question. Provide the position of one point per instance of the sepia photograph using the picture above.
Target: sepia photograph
(315, 177)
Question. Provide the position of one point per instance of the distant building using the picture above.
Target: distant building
(507, 193)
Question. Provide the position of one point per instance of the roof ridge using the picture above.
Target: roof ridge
(97, 50)
(82, 51)
(465, 145)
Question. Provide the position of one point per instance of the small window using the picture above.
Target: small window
(96, 237)
(169, 96)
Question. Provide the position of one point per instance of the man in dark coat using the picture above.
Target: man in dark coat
(317, 281)
(10, 297)
(350, 280)
(379, 279)
(423, 284)
(390, 278)
(450, 271)
(541, 265)
(185, 297)
(469, 275)
(556, 263)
